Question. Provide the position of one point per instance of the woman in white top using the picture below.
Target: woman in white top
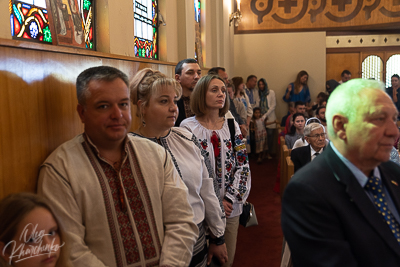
(267, 106)
(228, 157)
(155, 96)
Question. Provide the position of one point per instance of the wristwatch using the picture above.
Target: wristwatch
(217, 240)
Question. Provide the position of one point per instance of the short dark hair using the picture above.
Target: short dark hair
(215, 70)
(298, 103)
(100, 73)
(318, 109)
(251, 77)
(323, 95)
(179, 66)
(345, 72)
(395, 76)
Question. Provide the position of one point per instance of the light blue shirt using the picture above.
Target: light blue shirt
(363, 179)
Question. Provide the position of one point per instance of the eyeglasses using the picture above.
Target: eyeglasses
(318, 135)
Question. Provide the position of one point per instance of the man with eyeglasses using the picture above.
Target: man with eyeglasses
(315, 136)
(343, 208)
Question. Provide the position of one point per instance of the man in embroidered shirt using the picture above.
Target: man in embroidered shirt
(187, 73)
(315, 136)
(119, 197)
(342, 209)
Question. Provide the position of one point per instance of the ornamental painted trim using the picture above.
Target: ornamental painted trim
(292, 15)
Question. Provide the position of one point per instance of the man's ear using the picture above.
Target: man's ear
(339, 123)
(81, 112)
(178, 77)
(307, 139)
(6, 253)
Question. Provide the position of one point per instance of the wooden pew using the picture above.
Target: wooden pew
(290, 169)
(285, 152)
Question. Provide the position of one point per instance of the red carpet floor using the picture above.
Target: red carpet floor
(261, 246)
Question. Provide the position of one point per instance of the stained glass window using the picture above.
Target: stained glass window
(30, 21)
(198, 50)
(392, 67)
(372, 67)
(197, 9)
(145, 30)
(87, 13)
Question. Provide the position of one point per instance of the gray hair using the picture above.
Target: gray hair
(100, 73)
(347, 99)
(311, 127)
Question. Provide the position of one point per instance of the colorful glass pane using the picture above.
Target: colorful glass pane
(145, 30)
(29, 20)
(197, 10)
(198, 50)
(87, 13)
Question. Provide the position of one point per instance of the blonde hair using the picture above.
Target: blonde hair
(14, 208)
(147, 82)
(198, 96)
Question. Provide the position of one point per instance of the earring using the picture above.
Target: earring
(143, 123)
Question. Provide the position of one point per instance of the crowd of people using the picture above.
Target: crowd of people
(171, 192)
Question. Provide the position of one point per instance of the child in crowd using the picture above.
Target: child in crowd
(257, 129)
(29, 233)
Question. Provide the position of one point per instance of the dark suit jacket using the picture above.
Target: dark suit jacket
(328, 219)
(300, 157)
(182, 114)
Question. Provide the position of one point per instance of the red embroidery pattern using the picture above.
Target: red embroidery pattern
(136, 206)
(146, 197)
(127, 234)
(107, 204)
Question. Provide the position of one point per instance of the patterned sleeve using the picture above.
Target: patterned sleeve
(180, 232)
(238, 187)
(211, 173)
(56, 189)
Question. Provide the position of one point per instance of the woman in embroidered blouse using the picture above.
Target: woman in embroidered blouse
(155, 96)
(228, 157)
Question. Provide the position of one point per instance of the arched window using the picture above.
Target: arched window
(392, 67)
(372, 68)
(145, 30)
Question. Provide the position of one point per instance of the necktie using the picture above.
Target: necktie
(374, 185)
(316, 154)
